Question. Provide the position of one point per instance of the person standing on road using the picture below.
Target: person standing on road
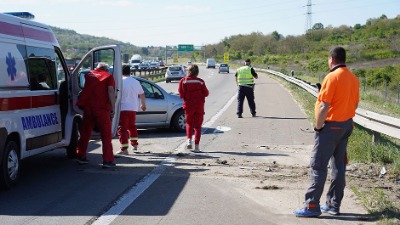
(131, 90)
(245, 80)
(334, 109)
(193, 91)
(98, 102)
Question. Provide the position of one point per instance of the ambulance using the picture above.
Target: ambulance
(38, 93)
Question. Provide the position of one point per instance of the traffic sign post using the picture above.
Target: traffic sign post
(185, 48)
(226, 57)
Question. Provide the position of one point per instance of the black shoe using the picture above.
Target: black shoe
(253, 115)
(109, 165)
(82, 161)
(240, 115)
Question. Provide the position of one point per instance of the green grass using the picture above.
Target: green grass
(379, 206)
(369, 100)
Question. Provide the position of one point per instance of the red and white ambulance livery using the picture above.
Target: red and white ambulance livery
(38, 93)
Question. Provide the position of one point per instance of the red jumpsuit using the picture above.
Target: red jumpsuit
(193, 91)
(96, 112)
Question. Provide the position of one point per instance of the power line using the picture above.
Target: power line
(308, 16)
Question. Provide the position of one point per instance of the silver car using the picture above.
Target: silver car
(163, 110)
(223, 68)
(175, 72)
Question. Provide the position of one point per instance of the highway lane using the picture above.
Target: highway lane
(55, 190)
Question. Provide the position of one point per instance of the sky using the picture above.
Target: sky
(171, 22)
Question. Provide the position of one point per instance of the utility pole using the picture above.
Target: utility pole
(308, 16)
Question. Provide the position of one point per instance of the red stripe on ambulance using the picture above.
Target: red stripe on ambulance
(28, 102)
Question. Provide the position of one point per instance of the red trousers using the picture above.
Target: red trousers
(100, 118)
(127, 129)
(194, 120)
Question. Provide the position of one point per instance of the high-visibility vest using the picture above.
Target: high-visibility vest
(244, 75)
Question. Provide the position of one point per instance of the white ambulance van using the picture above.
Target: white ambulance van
(38, 93)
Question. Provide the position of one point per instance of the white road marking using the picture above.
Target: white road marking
(128, 198)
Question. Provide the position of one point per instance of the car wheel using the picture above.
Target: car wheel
(71, 148)
(167, 81)
(10, 165)
(178, 122)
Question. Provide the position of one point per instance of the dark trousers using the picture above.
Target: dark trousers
(330, 146)
(247, 92)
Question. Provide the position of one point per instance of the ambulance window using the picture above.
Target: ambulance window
(41, 68)
(59, 70)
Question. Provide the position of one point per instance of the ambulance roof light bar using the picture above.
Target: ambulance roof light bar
(25, 15)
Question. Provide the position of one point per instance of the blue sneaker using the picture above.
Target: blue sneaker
(332, 211)
(307, 213)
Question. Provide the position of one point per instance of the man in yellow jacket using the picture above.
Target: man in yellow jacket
(245, 80)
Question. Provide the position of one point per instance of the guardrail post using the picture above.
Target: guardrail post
(376, 136)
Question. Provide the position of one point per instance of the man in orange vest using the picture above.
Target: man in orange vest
(335, 107)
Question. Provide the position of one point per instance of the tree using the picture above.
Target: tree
(276, 35)
(318, 26)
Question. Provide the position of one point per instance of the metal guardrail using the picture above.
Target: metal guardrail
(374, 121)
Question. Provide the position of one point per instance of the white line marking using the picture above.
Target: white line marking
(128, 198)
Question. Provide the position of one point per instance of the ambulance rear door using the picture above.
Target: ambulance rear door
(112, 56)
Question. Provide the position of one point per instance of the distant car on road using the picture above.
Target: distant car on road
(154, 65)
(188, 63)
(144, 66)
(223, 68)
(210, 63)
(175, 72)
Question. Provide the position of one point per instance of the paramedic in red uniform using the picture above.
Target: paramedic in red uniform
(98, 102)
(193, 91)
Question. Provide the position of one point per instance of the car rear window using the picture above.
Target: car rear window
(174, 68)
(224, 65)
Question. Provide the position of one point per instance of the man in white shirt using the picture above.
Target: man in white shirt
(127, 131)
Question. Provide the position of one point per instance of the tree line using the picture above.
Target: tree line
(377, 39)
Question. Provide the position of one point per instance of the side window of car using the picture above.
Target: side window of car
(150, 91)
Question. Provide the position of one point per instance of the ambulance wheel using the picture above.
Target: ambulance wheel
(71, 148)
(10, 165)
(178, 121)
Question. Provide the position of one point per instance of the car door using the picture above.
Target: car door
(111, 55)
(156, 105)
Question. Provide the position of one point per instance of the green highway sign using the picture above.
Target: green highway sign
(185, 48)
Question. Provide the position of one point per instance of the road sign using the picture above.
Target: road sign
(185, 48)
(226, 57)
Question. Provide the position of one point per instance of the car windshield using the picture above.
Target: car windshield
(224, 65)
(174, 68)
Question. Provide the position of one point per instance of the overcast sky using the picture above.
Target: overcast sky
(173, 22)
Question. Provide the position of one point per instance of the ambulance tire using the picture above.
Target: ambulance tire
(178, 122)
(71, 148)
(10, 165)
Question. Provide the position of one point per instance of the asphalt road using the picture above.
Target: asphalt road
(227, 184)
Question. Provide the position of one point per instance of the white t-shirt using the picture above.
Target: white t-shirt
(131, 89)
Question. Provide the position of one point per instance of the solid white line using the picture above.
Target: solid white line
(128, 198)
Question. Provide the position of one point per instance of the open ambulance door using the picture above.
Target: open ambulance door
(112, 56)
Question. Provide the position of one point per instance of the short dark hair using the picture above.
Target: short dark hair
(193, 70)
(338, 54)
(126, 70)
